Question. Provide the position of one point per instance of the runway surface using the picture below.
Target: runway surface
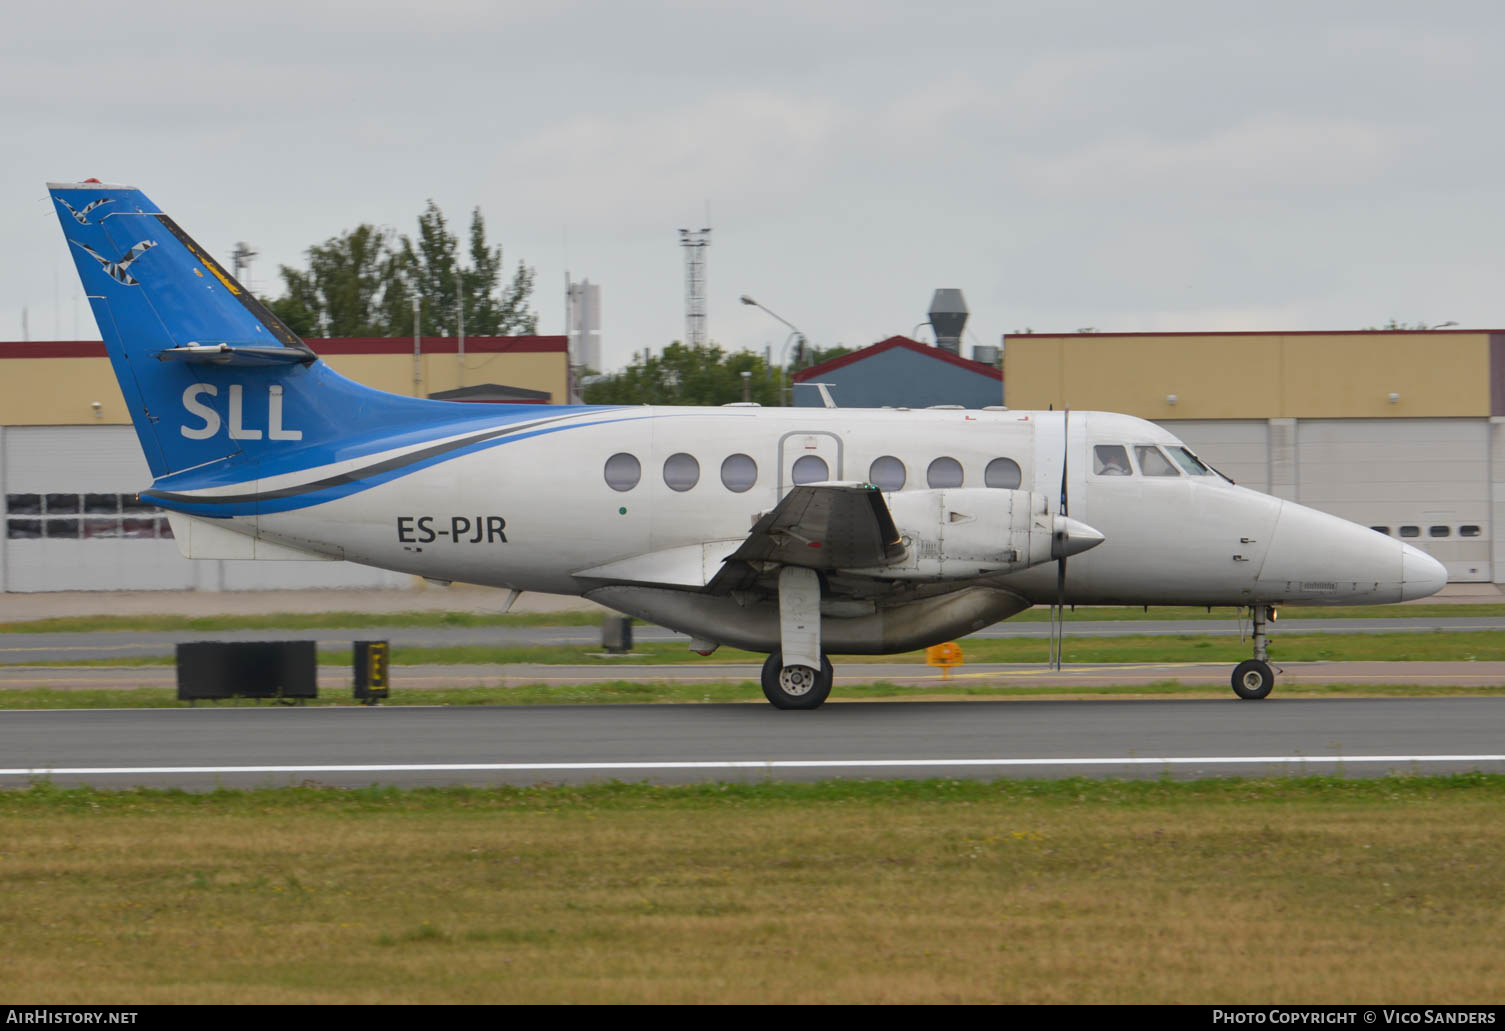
(199, 749)
(93, 645)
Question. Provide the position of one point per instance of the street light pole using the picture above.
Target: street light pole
(795, 334)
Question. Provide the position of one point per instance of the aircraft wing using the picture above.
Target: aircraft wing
(825, 526)
(817, 525)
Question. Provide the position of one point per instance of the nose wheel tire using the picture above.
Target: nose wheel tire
(1253, 679)
(796, 687)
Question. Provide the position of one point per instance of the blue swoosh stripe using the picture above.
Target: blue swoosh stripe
(342, 485)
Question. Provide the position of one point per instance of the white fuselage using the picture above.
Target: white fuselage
(532, 513)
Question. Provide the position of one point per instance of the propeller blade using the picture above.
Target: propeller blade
(1059, 546)
(1065, 456)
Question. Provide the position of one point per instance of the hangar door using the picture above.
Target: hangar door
(72, 522)
(1239, 448)
(1423, 481)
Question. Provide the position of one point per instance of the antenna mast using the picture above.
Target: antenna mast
(695, 241)
(240, 260)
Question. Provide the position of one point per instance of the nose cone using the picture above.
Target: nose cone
(1317, 558)
(1071, 537)
(1421, 574)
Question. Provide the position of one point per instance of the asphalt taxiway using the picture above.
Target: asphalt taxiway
(199, 749)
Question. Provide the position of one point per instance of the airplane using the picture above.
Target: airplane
(796, 532)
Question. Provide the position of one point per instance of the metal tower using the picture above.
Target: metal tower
(240, 260)
(695, 241)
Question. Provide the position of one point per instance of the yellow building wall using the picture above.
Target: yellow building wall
(1296, 375)
(531, 370)
(60, 391)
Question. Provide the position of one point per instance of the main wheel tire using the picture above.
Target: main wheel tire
(1253, 679)
(796, 687)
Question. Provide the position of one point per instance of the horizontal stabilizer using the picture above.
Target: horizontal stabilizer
(236, 354)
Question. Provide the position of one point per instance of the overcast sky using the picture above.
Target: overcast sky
(1127, 166)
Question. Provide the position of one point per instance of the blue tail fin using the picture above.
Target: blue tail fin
(210, 376)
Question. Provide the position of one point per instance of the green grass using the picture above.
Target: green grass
(1286, 645)
(353, 620)
(43, 797)
(1273, 890)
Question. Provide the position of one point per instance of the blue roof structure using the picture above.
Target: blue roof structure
(901, 373)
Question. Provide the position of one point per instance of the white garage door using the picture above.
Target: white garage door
(72, 523)
(1425, 481)
(1237, 448)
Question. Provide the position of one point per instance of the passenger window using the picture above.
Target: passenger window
(1003, 473)
(1410, 531)
(1440, 531)
(1189, 462)
(1111, 460)
(944, 472)
(681, 472)
(1381, 529)
(887, 473)
(810, 469)
(1468, 530)
(1152, 462)
(739, 473)
(622, 473)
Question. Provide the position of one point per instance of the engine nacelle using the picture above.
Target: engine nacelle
(966, 532)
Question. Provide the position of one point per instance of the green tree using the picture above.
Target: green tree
(346, 289)
(822, 354)
(684, 375)
(362, 283)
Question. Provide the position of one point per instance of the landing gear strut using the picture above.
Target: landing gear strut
(798, 675)
(1253, 678)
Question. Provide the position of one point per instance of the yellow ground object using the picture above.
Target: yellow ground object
(945, 656)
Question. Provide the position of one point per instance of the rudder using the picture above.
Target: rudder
(159, 298)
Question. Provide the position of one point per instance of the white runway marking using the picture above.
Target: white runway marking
(751, 764)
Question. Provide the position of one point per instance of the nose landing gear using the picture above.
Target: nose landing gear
(1253, 678)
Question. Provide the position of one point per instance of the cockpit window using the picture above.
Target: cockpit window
(1111, 460)
(1152, 462)
(1188, 461)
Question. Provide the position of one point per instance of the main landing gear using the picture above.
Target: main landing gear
(796, 687)
(798, 675)
(1253, 678)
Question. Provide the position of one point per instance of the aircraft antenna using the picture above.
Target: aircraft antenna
(694, 242)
